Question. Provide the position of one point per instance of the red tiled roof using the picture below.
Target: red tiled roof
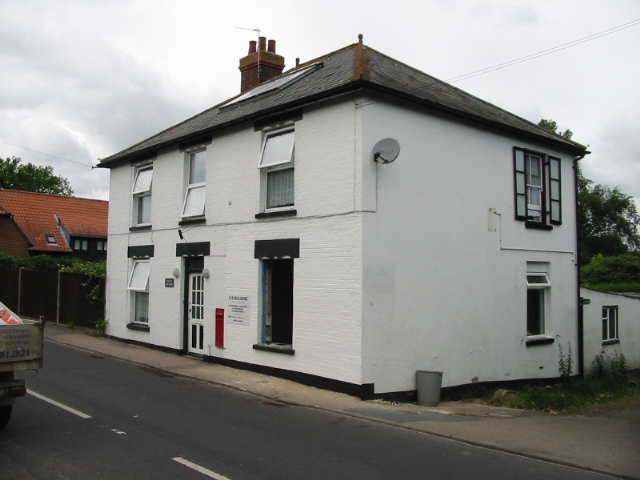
(35, 214)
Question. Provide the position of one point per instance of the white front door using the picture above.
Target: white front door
(195, 323)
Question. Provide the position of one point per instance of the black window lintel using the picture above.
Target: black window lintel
(193, 249)
(532, 342)
(140, 251)
(287, 247)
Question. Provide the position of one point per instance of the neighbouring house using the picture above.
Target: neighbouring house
(55, 225)
(13, 241)
(611, 326)
(280, 230)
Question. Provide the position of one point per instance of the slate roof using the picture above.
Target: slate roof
(35, 214)
(352, 68)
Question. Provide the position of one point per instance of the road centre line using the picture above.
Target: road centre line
(198, 468)
(59, 405)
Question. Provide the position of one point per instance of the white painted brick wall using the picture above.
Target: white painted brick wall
(327, 285)
(435, 288)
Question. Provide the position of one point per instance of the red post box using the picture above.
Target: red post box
(220, 327)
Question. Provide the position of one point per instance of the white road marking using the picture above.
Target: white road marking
(119, 432)
(198, 468)
(58, 404)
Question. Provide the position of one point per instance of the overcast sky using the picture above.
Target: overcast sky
(84, 79)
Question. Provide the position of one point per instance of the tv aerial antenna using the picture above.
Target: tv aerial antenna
(257, 30)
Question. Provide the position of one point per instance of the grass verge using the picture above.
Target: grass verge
(606, 382)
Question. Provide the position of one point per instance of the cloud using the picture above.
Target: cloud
(83, 80)
(69, 93)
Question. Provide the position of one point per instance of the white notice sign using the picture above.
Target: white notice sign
(238, 310)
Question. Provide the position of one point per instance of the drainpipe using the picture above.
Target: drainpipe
(580, 352)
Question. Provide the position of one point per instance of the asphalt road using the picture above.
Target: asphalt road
(115, 420)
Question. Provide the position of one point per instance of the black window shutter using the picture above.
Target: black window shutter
(520, 181)
(555, 203)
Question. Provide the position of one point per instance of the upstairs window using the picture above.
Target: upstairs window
(80, 245)
(101, 246)
(537, 188)
(277, 170)
(51, 239)
(196, 185)
(142, 196)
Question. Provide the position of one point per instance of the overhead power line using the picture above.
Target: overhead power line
(542, 53)
(47, 154)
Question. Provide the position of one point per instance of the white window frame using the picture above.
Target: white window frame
(535, 189)
(608, 322)
(538, 284)
(139, 287)
(195, 186)
(273, 161)
(141, 192)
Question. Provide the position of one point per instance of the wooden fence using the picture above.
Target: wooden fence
(60, 297)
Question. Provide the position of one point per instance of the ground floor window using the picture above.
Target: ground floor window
(141, 307)
(139, 288)
(610, 323)
(277, 286)
(80, 245)
(537, 287)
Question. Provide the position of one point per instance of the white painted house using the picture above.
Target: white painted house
(268, 233)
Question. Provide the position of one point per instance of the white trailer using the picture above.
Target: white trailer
(21, 348)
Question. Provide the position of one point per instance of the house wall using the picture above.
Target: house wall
(327, 275)
(445, 261)
(628, 327)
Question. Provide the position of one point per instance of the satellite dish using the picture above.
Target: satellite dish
(386, 151)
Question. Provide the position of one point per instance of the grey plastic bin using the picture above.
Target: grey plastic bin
(428, 386)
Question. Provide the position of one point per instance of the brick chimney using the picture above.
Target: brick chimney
(261, 64)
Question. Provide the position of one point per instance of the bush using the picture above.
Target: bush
(47, 263)
(611, 270)
(7, 262)
(39, 262)
(616, 287)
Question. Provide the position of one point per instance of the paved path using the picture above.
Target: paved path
(607, 441)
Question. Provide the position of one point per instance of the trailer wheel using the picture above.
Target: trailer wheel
(5, 414)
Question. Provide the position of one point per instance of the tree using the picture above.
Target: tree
(608, 219)
(28, 177)
(552, 126)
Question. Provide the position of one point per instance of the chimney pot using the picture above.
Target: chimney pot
(260, 64)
